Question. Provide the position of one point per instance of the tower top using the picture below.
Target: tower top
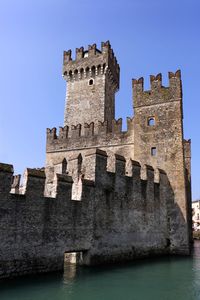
(90, 58)
(92, 81)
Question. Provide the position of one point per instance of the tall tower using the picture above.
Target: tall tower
(158, 140)
(92, 81)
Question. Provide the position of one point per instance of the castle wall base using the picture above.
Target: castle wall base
(115, 217)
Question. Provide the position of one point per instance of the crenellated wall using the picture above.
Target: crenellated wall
(158, 93)
(115, 218)
(90, 135)
(70, 141)
(35, 231)
(90, 62)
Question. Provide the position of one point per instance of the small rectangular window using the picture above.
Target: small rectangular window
(153, 151)
(151, 121)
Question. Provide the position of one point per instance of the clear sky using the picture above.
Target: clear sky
(148, 37)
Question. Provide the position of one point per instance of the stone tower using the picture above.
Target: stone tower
(154, 135)
(158, 140)
(92, 81)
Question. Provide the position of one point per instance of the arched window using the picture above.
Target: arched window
(93, 71)
(80, 160)
(70, 75)
(151, 121)
(76, 74)
(87, 71)
(81, 73)
(91, 81)
(64, 166)
(99, 69)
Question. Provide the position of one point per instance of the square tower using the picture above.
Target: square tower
(92, 81)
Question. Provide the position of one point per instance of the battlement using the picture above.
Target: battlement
(91, 62)
(98, 213)
(94, 172)
(85, 134)
(95, 164)
(158, 93)
(86, 130)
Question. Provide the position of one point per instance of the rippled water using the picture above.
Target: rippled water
(156, 279)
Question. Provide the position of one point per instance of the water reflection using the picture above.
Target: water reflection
(167, 278)
(153, 279)
(69, 273)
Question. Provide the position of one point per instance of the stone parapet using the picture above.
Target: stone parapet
(95, 213)
(171, 93)
(87, 135)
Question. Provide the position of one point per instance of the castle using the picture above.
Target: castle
(105, 195)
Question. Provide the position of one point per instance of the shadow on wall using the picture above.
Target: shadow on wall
(118, 217)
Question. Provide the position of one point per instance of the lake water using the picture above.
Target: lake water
(152, 279)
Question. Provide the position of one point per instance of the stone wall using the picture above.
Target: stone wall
(116, 218)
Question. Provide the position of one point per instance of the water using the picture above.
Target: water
(155, 279)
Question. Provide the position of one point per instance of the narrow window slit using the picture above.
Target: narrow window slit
(153, 151)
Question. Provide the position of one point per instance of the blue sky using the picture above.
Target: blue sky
(148, 37)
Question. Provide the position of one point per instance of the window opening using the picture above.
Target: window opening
(64, 166)
(153, 151)
(81, 73)
(91, 81)
(76, 74)
(93, 70)
(87, 72)
(151, 121)
(70, 75)
(99, 69)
